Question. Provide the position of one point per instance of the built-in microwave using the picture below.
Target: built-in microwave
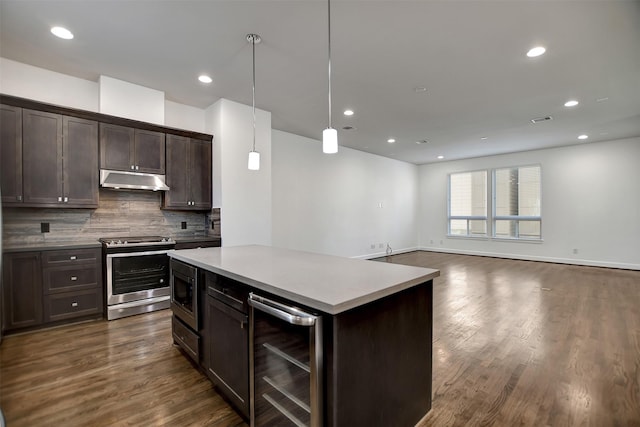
(184, 293)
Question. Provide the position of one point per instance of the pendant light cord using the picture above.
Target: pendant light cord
(253, 44)
(329, 44)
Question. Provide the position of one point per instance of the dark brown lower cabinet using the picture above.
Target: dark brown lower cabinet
(43, 288)
(227, 352)
(22, 290)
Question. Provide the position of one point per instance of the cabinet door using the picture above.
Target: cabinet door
(42, 157)
(11, 153)
(21, 290)
(177, 172)
(228, 352)
(80, 162)
(149, 151)
(117, 147)
(200, 174)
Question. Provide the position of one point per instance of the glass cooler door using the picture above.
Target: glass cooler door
(286, 365)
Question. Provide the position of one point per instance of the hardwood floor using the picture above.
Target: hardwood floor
(515, 343)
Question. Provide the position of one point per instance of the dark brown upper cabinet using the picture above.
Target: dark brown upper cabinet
(135, 150)
(188, 174)
(58, 158)
(11, 153)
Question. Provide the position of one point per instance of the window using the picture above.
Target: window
(515, 213)
(516, 203)
(468, 204)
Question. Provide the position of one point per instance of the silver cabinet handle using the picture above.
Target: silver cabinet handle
(72, 257)
(137, 167)
(66, 199)
(19, 198)
(74, 278)
(133, 167)
(59, 199)
(74, 304)
(291, 315)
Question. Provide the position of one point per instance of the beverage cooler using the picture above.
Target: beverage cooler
(285, 366)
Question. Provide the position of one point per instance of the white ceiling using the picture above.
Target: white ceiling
(470, 55)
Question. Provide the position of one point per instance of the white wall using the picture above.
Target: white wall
(182, 116)
(329, 203)
(590, 202)
(26, 81)
(124, 99)
(244, 196)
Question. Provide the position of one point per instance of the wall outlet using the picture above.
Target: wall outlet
(575, 251)
(44, 227)
(183, 225)
(373, 246)
(431, 242)
(381, 245)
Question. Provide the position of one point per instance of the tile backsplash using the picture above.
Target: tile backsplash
(120, 213)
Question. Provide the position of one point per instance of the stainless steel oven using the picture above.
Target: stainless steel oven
(136, 274)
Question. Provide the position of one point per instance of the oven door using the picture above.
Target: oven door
(136, 276)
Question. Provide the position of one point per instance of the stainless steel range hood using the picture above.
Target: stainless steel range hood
(132, 180)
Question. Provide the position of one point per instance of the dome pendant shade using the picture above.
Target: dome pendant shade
(329, 141)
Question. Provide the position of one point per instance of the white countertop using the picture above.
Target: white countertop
(327, 283)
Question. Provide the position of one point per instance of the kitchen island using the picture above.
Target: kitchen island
(368, 351)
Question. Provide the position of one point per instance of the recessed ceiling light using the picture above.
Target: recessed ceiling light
(606, 98)
(348, 112)
(205, 79)
(571, 103)
(536, 51)
(583, 136)
(484, 138)
(422, 141)
(419, 89)
(391, 140)
(440, 157)
(62, 32)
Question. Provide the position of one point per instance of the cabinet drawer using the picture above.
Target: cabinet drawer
(71, 256)
(69, 278)
(228, 291)
(68, 305)
(186, 338)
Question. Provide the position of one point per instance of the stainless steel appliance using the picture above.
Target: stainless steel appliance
(136, 274)
(285, 349)
(184, 293)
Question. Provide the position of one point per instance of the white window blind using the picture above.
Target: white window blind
(468, 204)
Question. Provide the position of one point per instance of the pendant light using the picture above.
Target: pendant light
(329, 135)
(254, 156)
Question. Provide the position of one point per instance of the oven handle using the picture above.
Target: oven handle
(126, 254)
(289, 314)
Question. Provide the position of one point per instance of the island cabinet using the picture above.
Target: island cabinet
(48, 159)
(331, 341)
(226, 339)
(44, 288)
(188, 174)
(124, 148)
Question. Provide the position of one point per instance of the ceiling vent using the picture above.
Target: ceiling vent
(422, 141)
(541, 119)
